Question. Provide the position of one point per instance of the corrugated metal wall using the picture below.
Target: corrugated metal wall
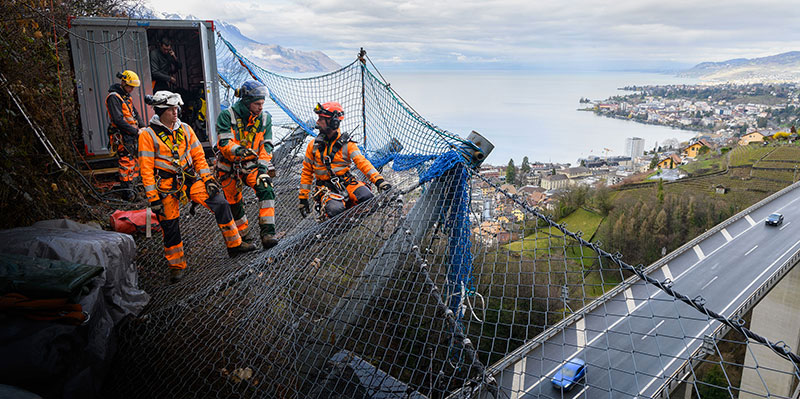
(97, 59)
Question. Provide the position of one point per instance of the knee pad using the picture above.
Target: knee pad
(362, 194)
(333, 208)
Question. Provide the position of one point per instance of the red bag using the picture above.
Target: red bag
(133, 221)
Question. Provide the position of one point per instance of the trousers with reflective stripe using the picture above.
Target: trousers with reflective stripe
(170, 227)
(265, 195)
(126, 150)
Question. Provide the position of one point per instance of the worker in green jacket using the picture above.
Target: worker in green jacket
(244, 155)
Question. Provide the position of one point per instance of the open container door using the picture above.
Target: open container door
(99, 52)
(210, 79)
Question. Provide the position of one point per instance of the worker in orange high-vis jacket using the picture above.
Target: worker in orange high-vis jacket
(123, 131)
(245, 158)
(174, 168)
(327, 163)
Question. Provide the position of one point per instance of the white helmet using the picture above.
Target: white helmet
(164, 99)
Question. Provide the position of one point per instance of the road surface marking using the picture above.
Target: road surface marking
(654, 328)
(699, 252)
(726, 235)
(709, 283)
(629, 300)
(641, 393)
(784, 225)
(667, 273)
(751, 250)
(518, 380)
(580, 330)
(750, 220)
(621, 319)
(581, 391)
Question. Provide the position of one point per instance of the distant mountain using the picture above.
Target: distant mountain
(271, 57)
(781, 67)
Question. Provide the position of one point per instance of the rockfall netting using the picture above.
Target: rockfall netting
(445, 285)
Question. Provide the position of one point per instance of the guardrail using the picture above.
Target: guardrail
(680, 374)
(555, 329)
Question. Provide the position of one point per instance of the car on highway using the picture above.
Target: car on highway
(570, 374)
(774, 219)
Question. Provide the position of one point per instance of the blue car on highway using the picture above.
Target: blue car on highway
(570, 374)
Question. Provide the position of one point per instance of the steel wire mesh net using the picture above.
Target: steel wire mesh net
(417, 293)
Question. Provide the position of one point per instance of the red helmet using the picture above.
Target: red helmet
(330, 109)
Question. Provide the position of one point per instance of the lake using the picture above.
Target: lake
(531, 114)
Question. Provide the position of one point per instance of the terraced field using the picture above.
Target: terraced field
(748, 155)
(779, 164)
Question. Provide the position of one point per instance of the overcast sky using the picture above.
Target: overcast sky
(609, 34)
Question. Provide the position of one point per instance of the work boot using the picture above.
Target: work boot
(246, 237)
(268, 241)
(176, 275)
(242, 248)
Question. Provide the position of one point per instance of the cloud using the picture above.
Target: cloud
(514, 32)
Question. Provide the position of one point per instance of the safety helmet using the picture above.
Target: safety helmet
(164, 99)
(330, 109)
(251, 90)
(129, 78)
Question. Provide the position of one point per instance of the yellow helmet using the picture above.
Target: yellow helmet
(129, 78)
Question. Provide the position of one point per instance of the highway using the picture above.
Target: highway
(636, 340)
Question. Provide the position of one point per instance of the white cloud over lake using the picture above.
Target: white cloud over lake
(515, 33)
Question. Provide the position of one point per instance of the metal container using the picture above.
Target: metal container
(103, 47)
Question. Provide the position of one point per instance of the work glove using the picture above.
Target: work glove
(271, 170)
(212, 187)
(304, 207)
(157, 208)
(264, 180)
(245, 153)
(383, 186)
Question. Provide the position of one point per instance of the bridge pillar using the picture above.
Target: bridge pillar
(774, 317)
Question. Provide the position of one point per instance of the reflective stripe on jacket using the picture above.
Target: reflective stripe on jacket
(314, 166)
(230, 137)
(121, 112)
(155, 154)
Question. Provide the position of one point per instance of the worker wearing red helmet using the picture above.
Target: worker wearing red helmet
(327, 164)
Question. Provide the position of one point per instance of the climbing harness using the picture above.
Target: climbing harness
(185, 177)
(333, 149)
(237, 169)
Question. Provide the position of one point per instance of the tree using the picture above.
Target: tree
(511, 172)
(713, 385)
(654, 161)
(660, 226)
(660, 193)
(603, 201)
(743, 129)
(761, 122)
(525, 167)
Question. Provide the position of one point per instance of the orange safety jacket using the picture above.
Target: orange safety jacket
(255, 135)
(129, 115)
(172, 150)
(314, 165)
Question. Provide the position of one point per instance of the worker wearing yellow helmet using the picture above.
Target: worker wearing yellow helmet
(123, 130)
